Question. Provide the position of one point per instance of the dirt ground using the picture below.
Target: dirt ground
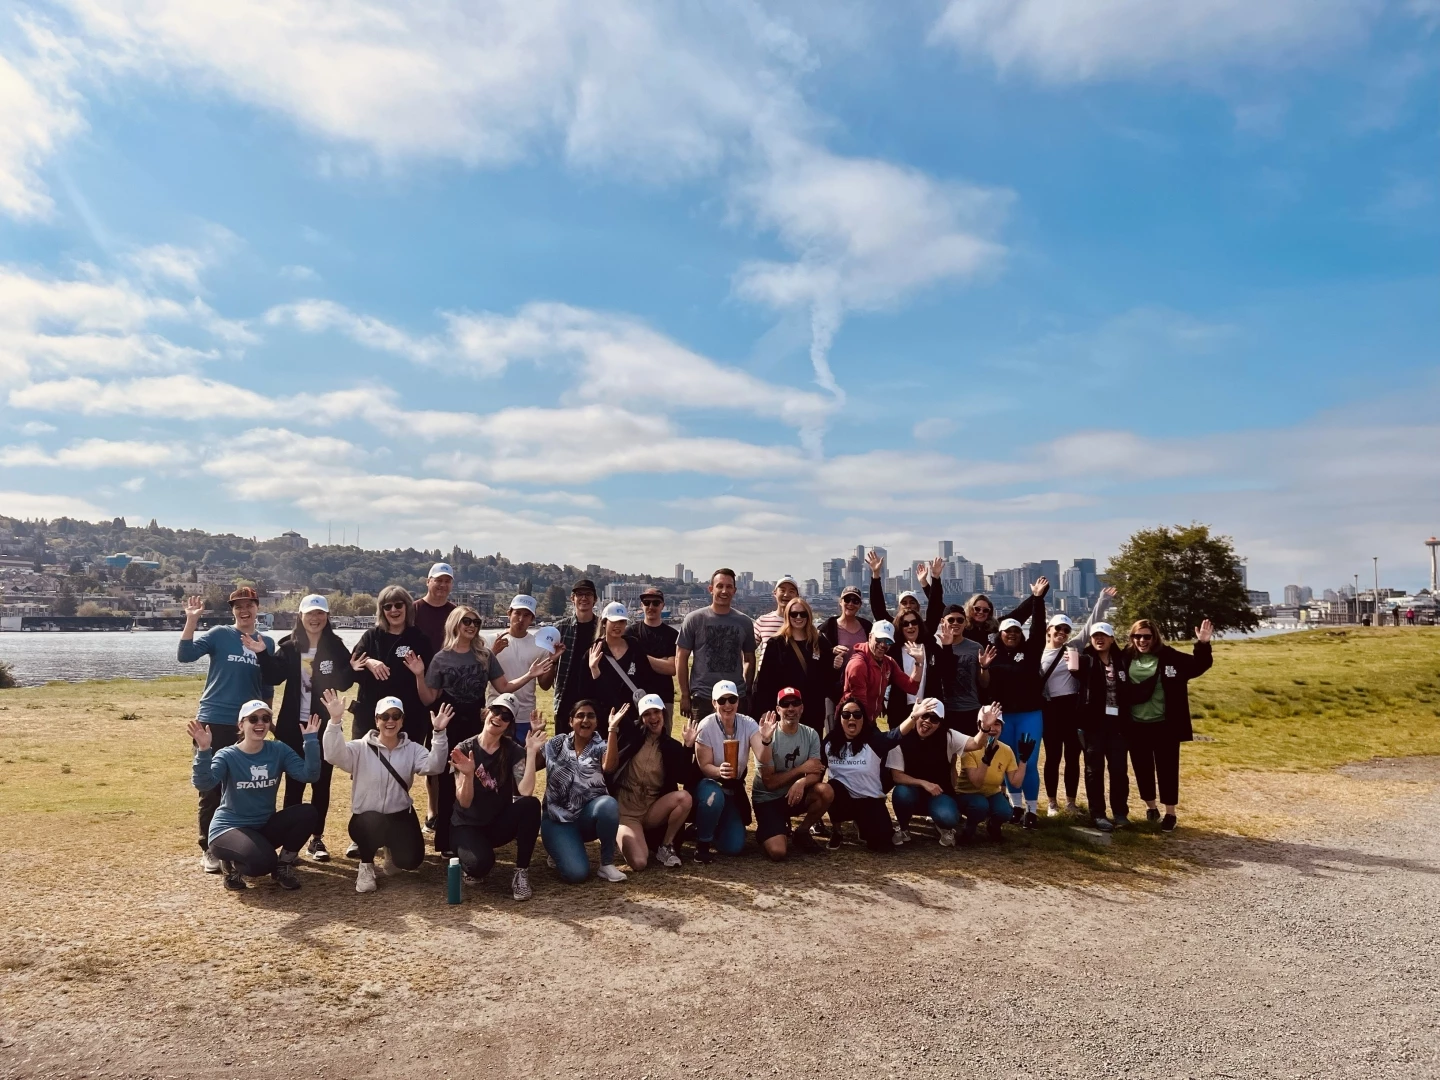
(1202, 954)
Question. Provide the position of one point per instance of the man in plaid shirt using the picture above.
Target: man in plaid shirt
(577, 633)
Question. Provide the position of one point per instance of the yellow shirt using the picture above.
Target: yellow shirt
(1000, 764)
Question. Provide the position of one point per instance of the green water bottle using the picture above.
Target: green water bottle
(452, 882)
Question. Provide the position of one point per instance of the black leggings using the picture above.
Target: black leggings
(397, 833)
(252, 851)
(475, 844)
(869, 814)
(1062, 736)
(1105, 751)
(319, 792)
(221, 736)
(1155, 754)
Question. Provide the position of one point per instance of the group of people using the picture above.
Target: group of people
(968, 699)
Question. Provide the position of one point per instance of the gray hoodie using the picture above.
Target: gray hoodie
(372, 786)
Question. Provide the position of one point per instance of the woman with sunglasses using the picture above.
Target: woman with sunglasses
(493, 798)
(382, 764)
(722, 808)
(1063, 689)
(1015, 682)
(962, 679)
(799, 659)
(922, 769)
(310, 661)
(458, 675)
(856, 751)
(981, 624)
(1157, 698)
(1102, 728)
(839, 635)
(378, 660)
(923, 667)
(648, 771)
(578, 806)
(615, 666)
(246, 829)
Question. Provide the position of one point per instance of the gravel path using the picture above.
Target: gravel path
(1309, 956)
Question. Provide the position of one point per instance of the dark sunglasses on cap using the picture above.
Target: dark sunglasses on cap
(258, 718)
(468, 621)
(851, 599)
(393, 605)
(393, 714)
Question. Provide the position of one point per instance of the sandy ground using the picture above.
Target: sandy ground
(1209, 955)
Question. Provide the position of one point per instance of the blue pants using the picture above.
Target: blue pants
(717, 818)
(977, 808)
(910, 800)
(566, 840)
(1032, 724)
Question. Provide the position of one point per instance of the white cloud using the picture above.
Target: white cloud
(38, 112)
(299, 272)
(91, 454)
(175, 395)
(36, 427)
(315, 316)
(1059, 41)
(933, 428)
(24, 504)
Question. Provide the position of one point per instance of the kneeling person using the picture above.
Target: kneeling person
(791, 782)
(647, 770)
(382, 764)
(984, 771)
(923, 770)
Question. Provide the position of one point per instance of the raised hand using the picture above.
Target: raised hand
(194, 607)
(358, 662)
(464, 763)
(1108, 592)
(1041, 587)
(915, 651)
(441, 717)
(199, 733)
(596, 651)
(255, 644)
(1024, 747)
(692, 729)
(922, 573)
(535, 738)
(501, 640)
(414, 664)
(313, 727)
(872, 558)
(378, 669)
(989, 713)
(987, 656)
(539, 666)
(616, 715)
(1205, 631)
(767, 725)
(946, 632)
(334, 705)
(991, 749)
(937, 568)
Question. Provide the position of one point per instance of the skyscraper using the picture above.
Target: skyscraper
(1051, 569)
(832, 576)
(947, 549)
(1292, 596)
(679, 571)
(1090, 582)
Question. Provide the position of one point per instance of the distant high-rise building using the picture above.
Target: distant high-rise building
(856, 572)
(679, 571)
(1306, 594)
(1292, 596)
(1331, 596)
(1072, 582)
(1244, 572)
(812, 588)
(689, 577)
(860, 552)
(1007, 582)
(1090, 582)
(832, 576)
(947, 549)
(1051, 569)
(745, 583)
(1030, 573)
(960, 574)
(1258, 598)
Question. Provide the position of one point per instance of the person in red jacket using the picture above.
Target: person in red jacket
(871, 670)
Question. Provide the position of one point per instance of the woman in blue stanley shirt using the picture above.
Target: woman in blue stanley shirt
(246, 829)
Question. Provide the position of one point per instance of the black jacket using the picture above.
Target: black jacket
(780, 667)
(939, 671)
(1015, 673)
(331, 671)
(1175, 672)
(829, 639)
(982, 635)
(391, 649)
(1091, 677)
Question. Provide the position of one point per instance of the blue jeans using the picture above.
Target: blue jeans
(910, 800)
(566, 840)
(979, 807)
(1032, 724)
(717, 818)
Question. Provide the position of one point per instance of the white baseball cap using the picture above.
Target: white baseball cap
(314, 602)
(1061, 620)
(787, 579)
(385, 704)
(723, 687)
(1011, 624)
(1102, 628)
(937, 707)
(506, 701)
(650, 701)
(524, 603)
(615, 612)
(252, 707)
(883, 631)
(548, 638)
(910, 594)
(441, 569)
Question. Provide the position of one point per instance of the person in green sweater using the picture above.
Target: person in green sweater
(1156, 678)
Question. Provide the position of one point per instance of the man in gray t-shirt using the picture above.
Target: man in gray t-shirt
(721, 642)
(962, 693)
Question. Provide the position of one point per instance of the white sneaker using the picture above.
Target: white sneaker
(365, 877)
(520, 885)
(947, 837)
(211, 864)
(610, 872)
(389, 864)
(352, 850)
(550, 860)
(665, 856)
(1053, 811)
(900, 836)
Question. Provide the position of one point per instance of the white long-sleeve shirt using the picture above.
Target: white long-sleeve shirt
(1062, 681)
(372, 787)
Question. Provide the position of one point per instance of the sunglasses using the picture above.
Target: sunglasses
(955, 620)
(467, 621)
(652, 602)
(393, 605)
(258, 719)
(1142, 637)
(850, 600)
(802, 616)
(929, 718)
(852, 714)
(981, 609)
(728, 699)
(391, 715)
(909, 624)
(790, 703)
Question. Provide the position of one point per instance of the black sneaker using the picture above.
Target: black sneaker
(1017, 815)
(234, 881)
(285, 876)
(1151, 814)
(1031, 820)
(317, 849)
(1167, 823)
(1103, 824)
(704, 853)
(836, 838)
(430, 824)
(994, 831)
(803, 842)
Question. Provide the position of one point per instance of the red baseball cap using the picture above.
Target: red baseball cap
(788, 692)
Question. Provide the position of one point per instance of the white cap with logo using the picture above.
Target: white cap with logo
(385, 704)
(441, 569)
(1011, 624)
(724, 688)
(250, 708)
(548, 638)
(506, 701)
(883, 631)
(615, 612)
(1102, 628)
(1060, 620)
(524, 603)
(314, 602)
(648, 702)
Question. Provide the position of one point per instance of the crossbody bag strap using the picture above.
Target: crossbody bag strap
(635, 692)
(388, 767)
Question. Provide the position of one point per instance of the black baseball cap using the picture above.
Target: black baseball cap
(584, 585)
(652, 590)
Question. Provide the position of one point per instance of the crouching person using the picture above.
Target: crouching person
(246, 830)
(495, 799)
(923, 769)
(984, 772)
(382, 764)
(647, 770)
(791, 782)
(578, 805)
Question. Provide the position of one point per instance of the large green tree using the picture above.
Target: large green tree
(1178, 577)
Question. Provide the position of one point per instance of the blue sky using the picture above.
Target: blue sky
(708, 283)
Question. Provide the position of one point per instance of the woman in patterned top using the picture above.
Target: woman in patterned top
(578, 806)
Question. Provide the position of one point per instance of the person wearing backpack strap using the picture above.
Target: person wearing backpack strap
(382, 764)
(615, 666)
(1061, 689)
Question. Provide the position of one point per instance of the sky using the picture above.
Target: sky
(726, 283)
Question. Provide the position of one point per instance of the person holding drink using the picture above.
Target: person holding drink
(723, 745)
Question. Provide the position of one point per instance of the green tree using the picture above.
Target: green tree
(65, 603)
(555, 600)
(1177, 577)
(138, 575)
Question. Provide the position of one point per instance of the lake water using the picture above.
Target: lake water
(37, 658)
